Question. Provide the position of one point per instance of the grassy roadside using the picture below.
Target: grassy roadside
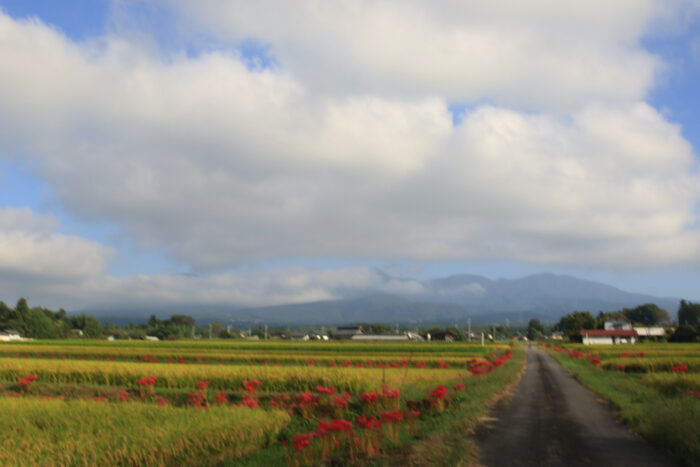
(446, 440)
(669, 420)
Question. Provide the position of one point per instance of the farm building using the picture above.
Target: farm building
(408, 336)
(347, 332)
(9, 335)
(609, 336)
(654, 331)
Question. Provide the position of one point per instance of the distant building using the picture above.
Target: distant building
(10, 335)
(609, 336)
(152, 338)
(347, 332)
(318, 335)
(557, 336)
(408, 336)
(617, 324)
(442, 336)
(300, 336)
(654, 331)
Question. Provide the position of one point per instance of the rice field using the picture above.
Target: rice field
(210, 403)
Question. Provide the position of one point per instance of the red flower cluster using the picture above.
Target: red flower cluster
(220, 398)
(146, 386)
(682, 368)
(341, 402)
(26, 382)
(325, 390)
(202, 384)
(124, 395)
(252, 386)
(197, 399)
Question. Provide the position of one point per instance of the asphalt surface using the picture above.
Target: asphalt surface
(552, 420)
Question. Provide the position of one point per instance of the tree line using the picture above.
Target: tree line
(648, 314)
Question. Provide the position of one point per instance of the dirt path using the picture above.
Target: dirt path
(552, 420)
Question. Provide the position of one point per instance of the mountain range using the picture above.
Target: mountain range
(449, 300)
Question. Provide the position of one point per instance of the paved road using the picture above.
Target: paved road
(552, 420)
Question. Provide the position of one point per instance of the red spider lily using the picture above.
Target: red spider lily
(420, 364)
(342, 401)
(198, 400)
(347, 363)
(302, 441)
(333, 364)
(437, 397)
(146, 386)
(596, 361)
(311, 362)
(220, 398)
(202, 384)
(26, 382)
(124, 395)
(99, 399)
(161, 401)
(620, 367)
(252, 386)
(460, 387)
(682, 368)
(181, 360)
(325, 390)
(249, 401)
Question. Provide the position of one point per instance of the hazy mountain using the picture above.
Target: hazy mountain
(447, 300)
(546, 294)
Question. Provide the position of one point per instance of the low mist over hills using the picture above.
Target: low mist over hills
(446, 300)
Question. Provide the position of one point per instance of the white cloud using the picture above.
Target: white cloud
(31, 251)
(348, 148)
(535, 54)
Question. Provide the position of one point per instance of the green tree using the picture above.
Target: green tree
(573, 323)
(689, 314)
(534, 329)
(36, 324)
(648, 314)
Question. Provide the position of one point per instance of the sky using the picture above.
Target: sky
(254, 153)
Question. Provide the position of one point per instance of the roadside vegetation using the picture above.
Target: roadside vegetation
(655, 387)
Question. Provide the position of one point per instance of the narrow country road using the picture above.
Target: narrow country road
(552, 420)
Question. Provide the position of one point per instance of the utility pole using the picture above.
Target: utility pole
(469, 328)
(266, 332)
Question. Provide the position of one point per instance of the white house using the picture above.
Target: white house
(617, 324)
(609, 336)
(9, 335)
(653, 331)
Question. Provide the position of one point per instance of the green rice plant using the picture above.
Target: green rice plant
(56, 433)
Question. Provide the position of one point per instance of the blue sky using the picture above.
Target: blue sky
(241, 174)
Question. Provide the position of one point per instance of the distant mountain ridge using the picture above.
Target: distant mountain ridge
(446, 300)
